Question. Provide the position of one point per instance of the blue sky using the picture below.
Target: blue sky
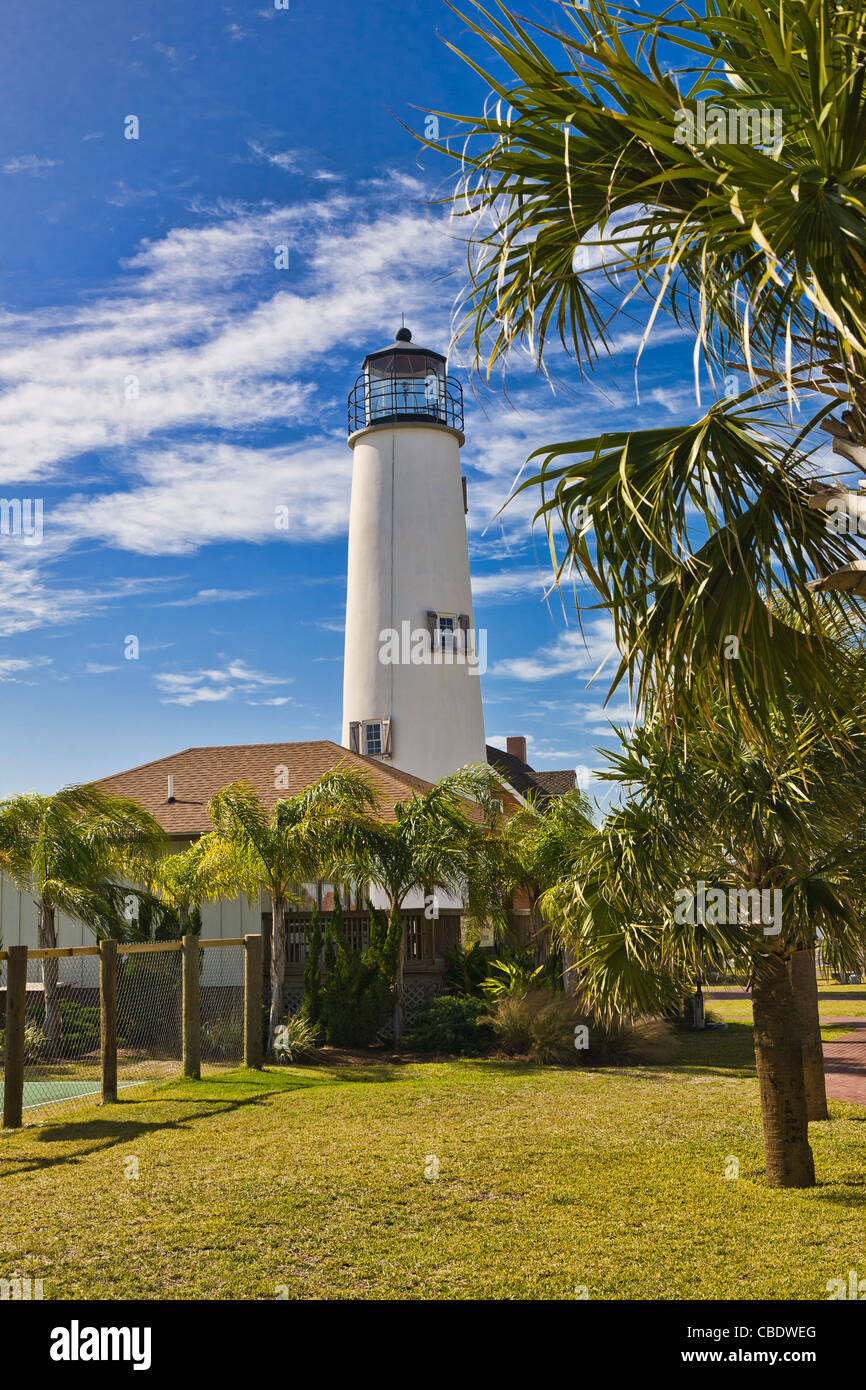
(163, 387)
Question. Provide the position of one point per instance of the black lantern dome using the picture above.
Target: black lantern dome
(405, 382)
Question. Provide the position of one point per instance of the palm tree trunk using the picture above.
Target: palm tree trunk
(804, 985)
(779, 1059)
(400, 986)
(278, 965)
(539, 931)
(52, 1028)
(569, 975)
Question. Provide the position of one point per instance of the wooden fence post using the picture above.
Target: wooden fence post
(16, 1004)
(253, 1001)
(191, 1009)
(108, 1018)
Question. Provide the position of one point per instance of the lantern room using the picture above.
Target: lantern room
(405, 382)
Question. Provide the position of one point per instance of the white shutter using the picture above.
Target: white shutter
(386, 738)
(355, 736)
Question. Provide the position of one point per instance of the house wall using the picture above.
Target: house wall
(18, 927)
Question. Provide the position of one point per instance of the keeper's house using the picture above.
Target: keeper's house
(177, 789)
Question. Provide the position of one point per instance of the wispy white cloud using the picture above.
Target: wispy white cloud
(197, 494)
(511, 583)
(210, 596)
(570, 653)
(213, 685)
(287, 160)
(11, 667)
(30, 598)
(28, 164)
(204, 332)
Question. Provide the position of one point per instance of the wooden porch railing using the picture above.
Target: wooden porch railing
(427, 939)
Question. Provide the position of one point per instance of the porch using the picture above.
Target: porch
(427, 942)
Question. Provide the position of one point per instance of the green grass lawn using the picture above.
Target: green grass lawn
(834, 1001)
(314, 1179)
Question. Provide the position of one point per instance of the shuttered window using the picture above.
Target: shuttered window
(373, 738)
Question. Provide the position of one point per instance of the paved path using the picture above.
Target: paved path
(844, 1060)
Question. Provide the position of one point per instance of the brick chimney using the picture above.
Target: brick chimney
(517, 748)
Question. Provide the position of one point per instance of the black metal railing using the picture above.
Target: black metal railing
(379, 400)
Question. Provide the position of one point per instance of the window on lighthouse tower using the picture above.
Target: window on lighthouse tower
(446, 628)
(371, 736)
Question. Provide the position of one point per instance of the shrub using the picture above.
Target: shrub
(356, 1001)
(80, 1028)
(510, 1017)
(358, 991)
(449, 1023)
(34, 1042)
(538, 1024)
(552, 1032)
(295, 1039)
(510, 977)
(618, 1043)
(311, 1004)
(222, 1039)
(465, 969)
(517, 972)
(542, 1026)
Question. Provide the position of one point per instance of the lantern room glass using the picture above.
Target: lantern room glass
(405, 383)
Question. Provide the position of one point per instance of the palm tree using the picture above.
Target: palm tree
(433, 842)
(592, 187)
(281, 848)
(718, 864)
(180, 883)
(72, 851)
(536, 846)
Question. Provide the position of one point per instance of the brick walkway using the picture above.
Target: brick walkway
(844, 1060)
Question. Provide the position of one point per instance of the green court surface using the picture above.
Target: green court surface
(38, 1094)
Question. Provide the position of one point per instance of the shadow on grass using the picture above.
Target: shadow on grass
(374, 1074)
(502, 1066)
(724, 1052)
(717, 1051)
(117, 1124)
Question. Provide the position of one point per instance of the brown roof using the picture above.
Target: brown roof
(557, 783)
(200, 772)
(524, 778)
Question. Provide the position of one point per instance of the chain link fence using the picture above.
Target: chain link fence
(221, 986)
(79, 1023)
(149, 1015)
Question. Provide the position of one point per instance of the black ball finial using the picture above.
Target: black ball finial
(403, 335)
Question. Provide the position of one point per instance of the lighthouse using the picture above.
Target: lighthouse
(413, 658)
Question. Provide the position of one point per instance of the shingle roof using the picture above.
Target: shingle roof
(525, 779)
(557, 783)
(200, 772)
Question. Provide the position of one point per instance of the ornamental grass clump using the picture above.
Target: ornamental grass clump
(554, 1030)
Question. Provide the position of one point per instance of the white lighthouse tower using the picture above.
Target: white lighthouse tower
(413, 660)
